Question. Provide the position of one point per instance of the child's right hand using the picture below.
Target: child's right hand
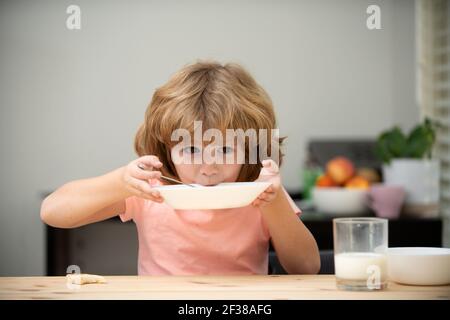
(136, 176)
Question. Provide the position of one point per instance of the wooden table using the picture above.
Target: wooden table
(208, 287)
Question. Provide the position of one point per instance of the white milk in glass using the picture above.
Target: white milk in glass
(360, 253)
(361, 267)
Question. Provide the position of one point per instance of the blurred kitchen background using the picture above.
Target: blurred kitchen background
(71, 100)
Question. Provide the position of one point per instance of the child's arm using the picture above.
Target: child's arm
(295, 246)
(90, 200)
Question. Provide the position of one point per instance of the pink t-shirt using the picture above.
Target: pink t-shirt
(199, 242)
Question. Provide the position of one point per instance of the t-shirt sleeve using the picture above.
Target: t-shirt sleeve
(133, 205)
(294, 207)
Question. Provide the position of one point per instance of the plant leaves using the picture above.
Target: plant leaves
(381, 148)
(396, 143)
(417, 143)
(420, 140)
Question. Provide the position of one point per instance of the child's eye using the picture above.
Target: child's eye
(191, 150)
(226, 150)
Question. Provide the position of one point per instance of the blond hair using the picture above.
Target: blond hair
(221, 96)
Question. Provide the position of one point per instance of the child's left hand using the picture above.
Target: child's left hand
(269, 173)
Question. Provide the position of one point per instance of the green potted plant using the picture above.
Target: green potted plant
(407, 161)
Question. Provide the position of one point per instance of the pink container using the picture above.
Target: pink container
(386, 200)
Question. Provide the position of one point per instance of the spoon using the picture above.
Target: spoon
(141, 166)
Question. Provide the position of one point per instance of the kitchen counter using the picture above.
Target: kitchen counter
(208, 287)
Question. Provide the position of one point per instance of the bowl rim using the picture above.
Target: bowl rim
(409, 251)
(223, 185)
(340, 189)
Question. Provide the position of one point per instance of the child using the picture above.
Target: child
(196, 242)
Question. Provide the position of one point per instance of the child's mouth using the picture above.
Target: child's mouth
(208, 184)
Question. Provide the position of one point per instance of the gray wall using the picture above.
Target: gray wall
(72, 100)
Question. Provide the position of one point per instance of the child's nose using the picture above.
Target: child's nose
(209, 170)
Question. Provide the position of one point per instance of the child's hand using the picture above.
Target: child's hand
(137, 174)
(269, 173)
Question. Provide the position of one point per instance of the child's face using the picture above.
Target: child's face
(208, 172)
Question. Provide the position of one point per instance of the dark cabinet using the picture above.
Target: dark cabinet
(110, 247)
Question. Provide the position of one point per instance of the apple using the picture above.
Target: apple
(325, 181)
(357, 182)
(370, 174)
(340, 169)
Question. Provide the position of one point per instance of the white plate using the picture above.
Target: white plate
(419, 265)
(221, 196)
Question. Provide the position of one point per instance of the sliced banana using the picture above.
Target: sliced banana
(84, 278)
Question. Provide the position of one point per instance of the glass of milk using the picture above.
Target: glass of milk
(360, 253)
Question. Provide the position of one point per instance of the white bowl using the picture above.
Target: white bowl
(419, 266)
(221, 196)
(340, 201)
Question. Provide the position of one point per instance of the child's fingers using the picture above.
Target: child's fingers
(149, 162)
(152, 197)
(146, 175)
(263, 196)
(149, 196)
(269, 191)
(144, 190)
(140, 185)
(266, 195)
(259, 202)
(271, 166)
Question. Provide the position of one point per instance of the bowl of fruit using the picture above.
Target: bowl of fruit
(342, 189)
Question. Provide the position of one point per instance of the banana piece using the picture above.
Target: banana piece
(84, 278)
